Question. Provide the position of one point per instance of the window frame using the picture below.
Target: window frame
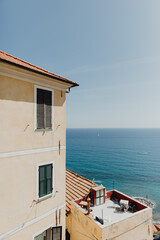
(53, 188)
(35, 109)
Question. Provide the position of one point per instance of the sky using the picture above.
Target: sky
(110, 47)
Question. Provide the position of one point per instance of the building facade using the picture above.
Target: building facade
(93, 213)
(32, 151)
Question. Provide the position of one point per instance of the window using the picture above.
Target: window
(99, 197)
(44, 109)
(41, 236)
(54, 233)
(46, 235)
(45, 180)
(67, 235)
(57, 233)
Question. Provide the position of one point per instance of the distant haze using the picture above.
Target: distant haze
(111, 48)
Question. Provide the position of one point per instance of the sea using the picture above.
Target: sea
(124, 159)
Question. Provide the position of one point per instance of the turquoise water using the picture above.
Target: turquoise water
(128, 159)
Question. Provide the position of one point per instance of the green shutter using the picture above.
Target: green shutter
(45, 180)
(40, 108)
(49, 178)
(42, 181)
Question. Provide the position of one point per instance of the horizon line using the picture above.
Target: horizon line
(112, 127)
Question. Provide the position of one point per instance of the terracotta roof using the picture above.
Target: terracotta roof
(156, 227)
(76, 187)
(23, 64)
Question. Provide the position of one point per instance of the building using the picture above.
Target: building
(32, 151)
(101, 215)
(156, 231)
(156, 227)
(76, 187)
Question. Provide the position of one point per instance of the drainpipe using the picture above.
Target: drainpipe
(68, 90)
(88, 205)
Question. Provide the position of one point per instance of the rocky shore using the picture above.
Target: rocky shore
(145, 201)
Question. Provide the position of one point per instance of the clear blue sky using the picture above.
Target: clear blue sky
(110, 47)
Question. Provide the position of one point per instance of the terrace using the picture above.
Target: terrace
(93, 213)
(116, 207)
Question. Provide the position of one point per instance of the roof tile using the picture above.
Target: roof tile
(76, 187)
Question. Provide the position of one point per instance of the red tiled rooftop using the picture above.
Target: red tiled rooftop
(76, 187)
(156, 227)
(21, 63)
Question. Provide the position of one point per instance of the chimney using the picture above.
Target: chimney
(88, 205)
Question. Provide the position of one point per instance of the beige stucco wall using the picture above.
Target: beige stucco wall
(137, 227)
(19, 184)
(17, 123)
(18, 174)
(29, 232)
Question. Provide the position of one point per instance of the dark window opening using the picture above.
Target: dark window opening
(67, 235)
(57, 233)
(44, 109)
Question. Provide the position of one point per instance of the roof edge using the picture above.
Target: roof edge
(74, 84)
(95, 184)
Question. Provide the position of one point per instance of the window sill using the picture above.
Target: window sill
(43, 130)
(44, 198)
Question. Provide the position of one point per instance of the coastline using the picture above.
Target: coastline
(127, 159)
(145, 201)
(151, 204)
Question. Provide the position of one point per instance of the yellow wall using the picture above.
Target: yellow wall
(136, 227)
(79, 225)
(18, 174)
